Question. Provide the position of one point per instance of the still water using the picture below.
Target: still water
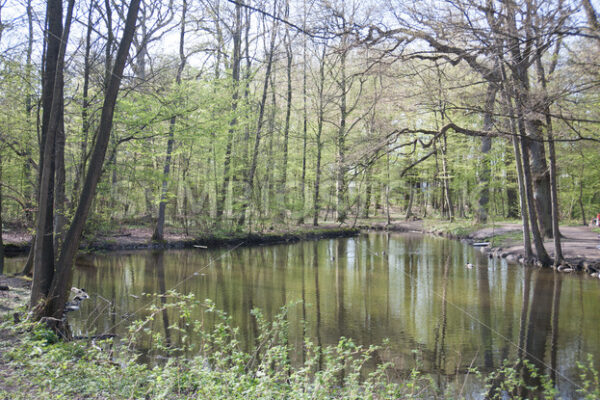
(411, 289)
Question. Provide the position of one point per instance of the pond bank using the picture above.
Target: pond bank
(580, 244)
(140, 239)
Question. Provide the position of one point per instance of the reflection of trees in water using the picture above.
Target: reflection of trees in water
(439, 350)
(404, 294)
(247, 322)
(538, 328)
(304, 266)
(340, 269)
(158, 259)
(485, 314)
(317, 298)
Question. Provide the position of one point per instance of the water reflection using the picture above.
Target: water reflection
(413, 290)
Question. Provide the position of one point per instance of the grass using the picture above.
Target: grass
(458, 227)
(505, 239)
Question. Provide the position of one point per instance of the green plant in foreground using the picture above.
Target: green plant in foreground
(588, 374)
(34, 364)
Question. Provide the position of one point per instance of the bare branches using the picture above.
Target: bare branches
(282, 20)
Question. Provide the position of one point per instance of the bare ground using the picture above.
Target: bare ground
(579, 243)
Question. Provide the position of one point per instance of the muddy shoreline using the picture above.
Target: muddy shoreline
(580, 244)
(141, 241)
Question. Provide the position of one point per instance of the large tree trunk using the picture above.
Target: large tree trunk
(58, 294)
(511, 127)
(540, 250)
(520, 91)
(541, 176)
(552, 152)
(43, 260)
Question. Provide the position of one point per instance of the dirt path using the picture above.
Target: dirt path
(578, 243)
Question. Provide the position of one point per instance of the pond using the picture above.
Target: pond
(410, 289)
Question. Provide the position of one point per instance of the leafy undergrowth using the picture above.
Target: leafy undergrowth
(35, 364)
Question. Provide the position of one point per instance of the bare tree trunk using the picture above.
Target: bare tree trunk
(558, 256)
(249, 178)
(60, 218)
(486, 146)
(540, 250)
(304, 121)
(270, 179)
(30, 196)
(368, 191)
(341, 185)
(520, 91)
(580, 198)
(109, 44)
(43, 261)
(541, 177)
(512, 194)
(591, 14)
(58, 294)
(85, 121)
(319, 143)
(235, 76)
(387, 188)
(411, 197)
(446, 180)
(520, 176)
(288, 111)
(158, 231)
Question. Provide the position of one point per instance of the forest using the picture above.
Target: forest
(232, 115)
(314, 119)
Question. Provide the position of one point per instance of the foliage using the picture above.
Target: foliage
(34, 363)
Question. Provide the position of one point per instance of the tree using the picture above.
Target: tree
(158, 231)
(54, 293)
